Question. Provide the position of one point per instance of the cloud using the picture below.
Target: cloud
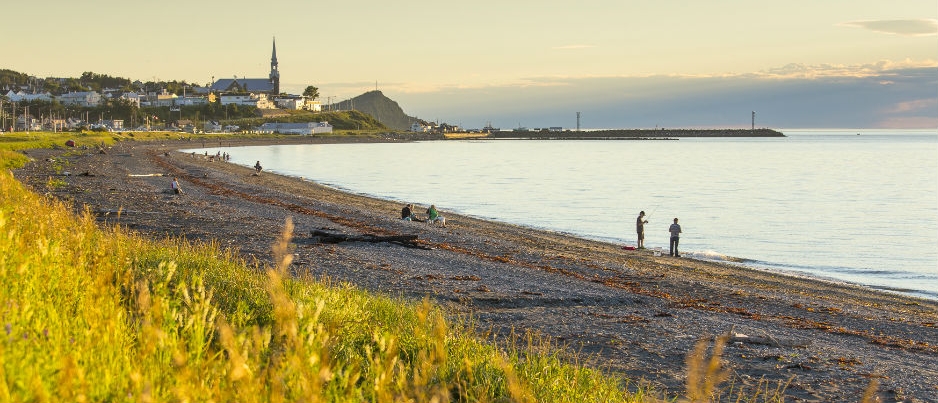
(915, 105)
(804, 71)
(916, 27)
(824, 96)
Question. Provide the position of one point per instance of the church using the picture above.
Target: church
(269, 85)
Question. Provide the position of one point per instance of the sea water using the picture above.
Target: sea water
(840, 206)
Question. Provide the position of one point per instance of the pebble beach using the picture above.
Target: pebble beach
(626, 312)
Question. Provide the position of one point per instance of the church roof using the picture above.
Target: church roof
(245, 84)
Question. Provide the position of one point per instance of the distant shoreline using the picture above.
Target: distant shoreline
(633, 134)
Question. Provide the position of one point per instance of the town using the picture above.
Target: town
(103, 103)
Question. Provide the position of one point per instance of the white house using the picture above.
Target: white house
(296, 128)
(259, 101)
(417, 127)
(312, 105)
(85, 98)
(132, 97)
(21, 96)
(290, 102)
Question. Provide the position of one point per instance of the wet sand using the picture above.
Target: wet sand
(627, 312)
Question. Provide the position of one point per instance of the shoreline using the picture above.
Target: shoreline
(887, 277)
(627, 312)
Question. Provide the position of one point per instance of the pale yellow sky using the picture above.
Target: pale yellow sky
(422, 46)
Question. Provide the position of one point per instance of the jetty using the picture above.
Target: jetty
(632, 134)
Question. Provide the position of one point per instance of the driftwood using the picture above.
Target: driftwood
(766, 340)
(409, 241)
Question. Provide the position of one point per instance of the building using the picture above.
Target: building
(418, 127)
(212, 126)
(295, 128)
(269, 85)
(290, 102)
(84, 99)
(259, 101)
(21, 96)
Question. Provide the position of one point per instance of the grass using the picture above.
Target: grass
(101, 314)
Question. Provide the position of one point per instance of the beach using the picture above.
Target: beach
(624, 311)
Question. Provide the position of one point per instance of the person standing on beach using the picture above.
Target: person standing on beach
(675, 231)
(258, 167)
(640, 228)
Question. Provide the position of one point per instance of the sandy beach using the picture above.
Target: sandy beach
(624, 311)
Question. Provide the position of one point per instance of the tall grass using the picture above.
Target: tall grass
(93, 314)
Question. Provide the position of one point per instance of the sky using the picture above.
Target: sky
(621, 64)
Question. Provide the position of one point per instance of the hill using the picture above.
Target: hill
(384, 109)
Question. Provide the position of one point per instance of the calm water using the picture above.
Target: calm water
(861, 209)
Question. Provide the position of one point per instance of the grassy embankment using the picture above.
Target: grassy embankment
(92, 314)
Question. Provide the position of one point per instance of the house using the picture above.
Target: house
(296, 128)
(418, 127)
(259, 101)
(162, 98)
(21, 96)
(190, 100)
(311, 105)
(297, 102)
(290, 102)
(54, 124)
(73, 123)
(212, 126)
(84, 98)
(131, 97)
(30, 123)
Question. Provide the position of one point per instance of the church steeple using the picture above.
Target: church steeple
(274, 72)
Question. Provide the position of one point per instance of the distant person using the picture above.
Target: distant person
(434, 216)
(175, 186)
(675, 231)
(407, 213)
(640, 228)
(258, 166)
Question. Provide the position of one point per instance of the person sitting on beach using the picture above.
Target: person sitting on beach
(258, 167)
(407, 213)
(175, 186)
(434, 216)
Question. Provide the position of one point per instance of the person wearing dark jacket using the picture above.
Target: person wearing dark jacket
(675, 231)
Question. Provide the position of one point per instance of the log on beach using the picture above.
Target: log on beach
(332, 237)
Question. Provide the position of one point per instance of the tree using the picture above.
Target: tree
(311, 92)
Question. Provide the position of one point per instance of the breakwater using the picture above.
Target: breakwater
(635, 134)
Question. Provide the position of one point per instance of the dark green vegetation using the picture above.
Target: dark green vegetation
(384, 109)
